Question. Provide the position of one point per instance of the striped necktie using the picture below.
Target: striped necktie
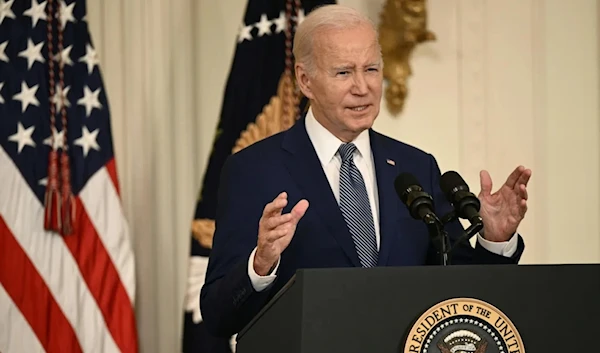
(355, 207)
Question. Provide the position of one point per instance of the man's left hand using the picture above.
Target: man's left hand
(503, 210)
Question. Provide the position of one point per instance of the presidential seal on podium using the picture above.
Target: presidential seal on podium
(463, 325)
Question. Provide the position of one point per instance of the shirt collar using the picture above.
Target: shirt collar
(326, 144)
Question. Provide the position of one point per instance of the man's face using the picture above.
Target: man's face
(346, 88)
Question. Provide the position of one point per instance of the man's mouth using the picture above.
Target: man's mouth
(359, 108)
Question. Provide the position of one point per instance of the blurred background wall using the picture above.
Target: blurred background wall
(505, 83)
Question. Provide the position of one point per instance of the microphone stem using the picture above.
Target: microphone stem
(445, 250)
(439, 238)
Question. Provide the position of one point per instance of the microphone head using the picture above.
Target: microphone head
(418, 202)
(458, 194)
(450, 182)
(404, 184)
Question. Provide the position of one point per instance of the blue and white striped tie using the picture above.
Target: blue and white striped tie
(355, 206)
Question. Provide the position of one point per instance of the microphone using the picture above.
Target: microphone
(420, 206)
(465, 203)
(418, 202)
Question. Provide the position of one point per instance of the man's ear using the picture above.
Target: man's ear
(303, 80)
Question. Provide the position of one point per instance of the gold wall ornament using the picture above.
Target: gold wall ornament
(403, 25)
(279, 114)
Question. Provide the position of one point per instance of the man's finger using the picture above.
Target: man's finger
(523, 178)
(276, 206)
(485, 182)
(514, 176)
(523, 192)
(275, 221)
(523, 207)
(299, 210)
(279, 232)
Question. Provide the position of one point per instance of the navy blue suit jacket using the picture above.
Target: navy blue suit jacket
(288, 162)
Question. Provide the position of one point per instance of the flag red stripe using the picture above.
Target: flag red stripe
(103, 281)
(111, 167)
(30, 294)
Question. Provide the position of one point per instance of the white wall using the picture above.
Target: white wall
(506, 83)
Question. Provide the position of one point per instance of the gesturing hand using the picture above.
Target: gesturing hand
(275, 231)
(503, 210)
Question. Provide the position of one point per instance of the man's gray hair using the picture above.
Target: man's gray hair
(325, 17)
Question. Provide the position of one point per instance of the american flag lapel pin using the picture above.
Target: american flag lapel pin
(390, 162)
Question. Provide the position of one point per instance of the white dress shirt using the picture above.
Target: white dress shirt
(326, 145)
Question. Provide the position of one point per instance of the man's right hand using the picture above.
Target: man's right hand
(275, 232)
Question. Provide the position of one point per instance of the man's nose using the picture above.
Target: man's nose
(360, 86)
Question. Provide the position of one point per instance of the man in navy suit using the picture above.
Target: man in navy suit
(321, 194)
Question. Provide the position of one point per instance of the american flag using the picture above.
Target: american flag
(61, 290)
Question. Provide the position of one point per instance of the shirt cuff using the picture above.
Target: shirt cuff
(505, 248)
(260, 282)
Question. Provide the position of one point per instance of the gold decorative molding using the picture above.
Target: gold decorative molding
(203, 231)
(403, 26)
(278, 115)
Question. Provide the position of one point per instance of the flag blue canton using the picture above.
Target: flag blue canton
(25, 93)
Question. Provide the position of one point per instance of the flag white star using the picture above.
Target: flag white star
(36, 12)
(300, 17)
(65, 55)
(90, 58)
(264, 26)
(23, 137)
(3, 56)
(43, 182)
(33, 53)
(87, 140)
(57, 99)
(244, 33)
(90, 100)
(27, 96)
(5, 11)
(1, 98)
(66, 13)
(58, 139)
(280, 22)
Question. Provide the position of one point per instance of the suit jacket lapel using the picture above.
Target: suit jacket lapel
(386, 170)
(305, 168)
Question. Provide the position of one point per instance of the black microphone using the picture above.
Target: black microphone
(420, 206)
(465, 203)
(418, 202)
